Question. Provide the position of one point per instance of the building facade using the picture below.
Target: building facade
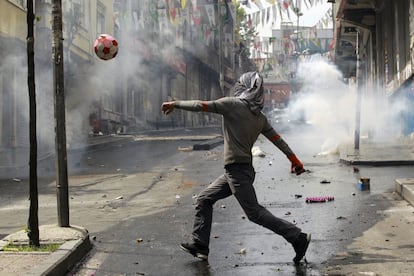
(167, 50)
(14, 126)
(374, 45)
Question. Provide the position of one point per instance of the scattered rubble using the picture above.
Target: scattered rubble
(257, 152)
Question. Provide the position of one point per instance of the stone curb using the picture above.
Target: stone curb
(405, 188)
(64, 259)
(377, 162)
(76, 244)
(209, 144)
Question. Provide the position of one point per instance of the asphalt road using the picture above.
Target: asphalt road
(136, 200)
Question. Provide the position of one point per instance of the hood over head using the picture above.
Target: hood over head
(249, 87)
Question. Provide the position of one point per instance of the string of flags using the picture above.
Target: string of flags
(179, 12)
(267, 12)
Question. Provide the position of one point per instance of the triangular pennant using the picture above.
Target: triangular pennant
(183, 4)
(211, 14)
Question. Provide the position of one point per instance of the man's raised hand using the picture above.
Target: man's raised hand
(167, 107)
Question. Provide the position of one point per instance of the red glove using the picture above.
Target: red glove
(297, 166)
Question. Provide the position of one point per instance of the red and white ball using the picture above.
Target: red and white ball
(106, 47)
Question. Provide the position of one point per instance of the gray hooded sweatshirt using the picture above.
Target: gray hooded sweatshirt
(243, 120)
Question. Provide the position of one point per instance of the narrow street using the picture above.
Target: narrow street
(136, 199)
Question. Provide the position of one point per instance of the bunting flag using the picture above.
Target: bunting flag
(162, 19)
(274, 12)
(185, 17)
(183, 4)
(174, 16)
(152, 8)
(196, 15)
(211, 14)
(225, 13)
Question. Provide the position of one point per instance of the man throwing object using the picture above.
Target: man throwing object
(243, 122)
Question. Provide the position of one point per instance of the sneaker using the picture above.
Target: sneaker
(300, 246)
(196, 250)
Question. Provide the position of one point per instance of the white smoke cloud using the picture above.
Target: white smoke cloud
(329, 105)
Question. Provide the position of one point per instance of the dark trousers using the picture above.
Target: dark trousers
(237, 180)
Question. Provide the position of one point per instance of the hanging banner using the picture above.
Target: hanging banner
(185, 17)
(196, 15)
(152, 8)
(183, 4)
(162, 19)
(211, 15)
(274, 11)
(174, 16)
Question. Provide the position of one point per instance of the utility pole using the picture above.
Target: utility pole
(220, 33)
(359, 96)
(60, 125)
(33, 221)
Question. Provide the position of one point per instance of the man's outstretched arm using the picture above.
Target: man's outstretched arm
(217, 106)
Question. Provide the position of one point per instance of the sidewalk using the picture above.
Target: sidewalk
(76, 240)
(398, 153)
(75, 244)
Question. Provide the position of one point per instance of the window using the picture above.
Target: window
(100, 18)
(81, 11)
(20, 3)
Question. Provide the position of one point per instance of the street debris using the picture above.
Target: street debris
(257, 152)
(325, 181)
(185, 148)
(370, 273)
(319, 199)
(363, 184)
(140, 240)
(341, 217)
(243, 251)
(288, 213)
(298, 196)
(119, 197)
(270, 163)
(356, 170)
(17, 180)
(223, 206)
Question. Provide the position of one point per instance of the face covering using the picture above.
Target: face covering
(249, 88)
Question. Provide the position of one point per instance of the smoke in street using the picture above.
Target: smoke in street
(329, 104)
